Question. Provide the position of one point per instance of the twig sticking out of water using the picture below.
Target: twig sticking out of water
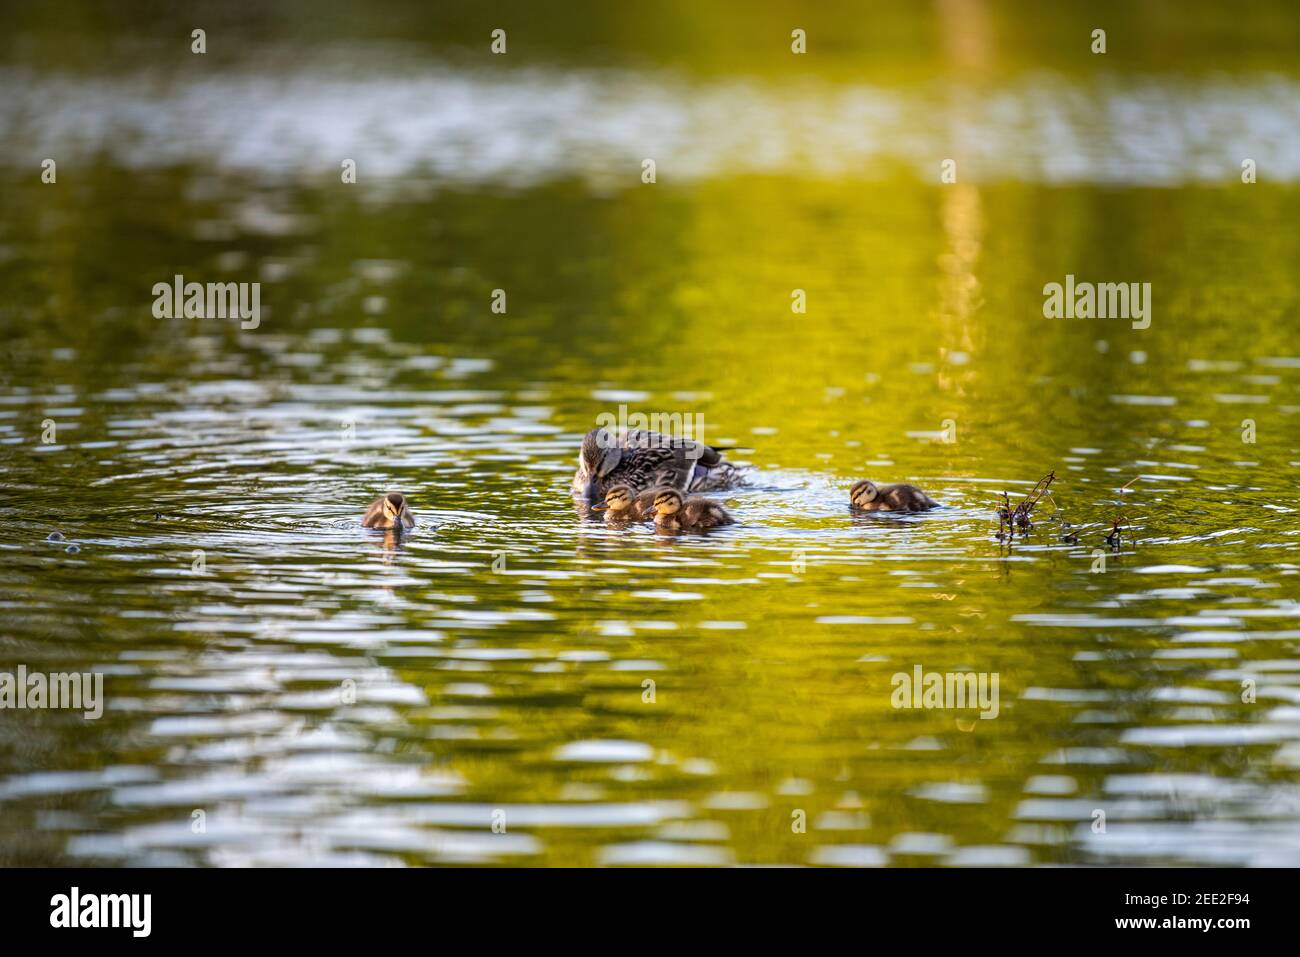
(1011, 519)
(1004, 517)
(1069, 534)
(1114, 539)
(1032, 499)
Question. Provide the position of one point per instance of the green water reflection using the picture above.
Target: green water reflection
(514, 684)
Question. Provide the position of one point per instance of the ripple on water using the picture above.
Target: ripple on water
(666, 853)
(333, 696)
(604, 752)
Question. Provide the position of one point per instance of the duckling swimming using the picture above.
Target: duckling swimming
(673, 512)
(889, 498)
(389, 511)
(621, 505)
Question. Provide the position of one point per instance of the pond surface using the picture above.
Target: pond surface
(516, 684)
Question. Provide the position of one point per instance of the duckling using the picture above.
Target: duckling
(674, 512)
(621, 505)
(643, 460)
(389, 511)
(889, 498)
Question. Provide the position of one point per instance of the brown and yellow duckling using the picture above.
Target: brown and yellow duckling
(389, 511)
(623, 505)
(675, 512)
(889, 498)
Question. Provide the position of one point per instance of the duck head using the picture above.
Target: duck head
(394, 505)
(598, 457)
(617, 500)
(668, 501)
(863, 493)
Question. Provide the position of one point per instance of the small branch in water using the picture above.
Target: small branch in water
(1004, 518)
(1114, 539)
(1032, 499)
(1018, 517)
(1010, 518)
(1069, 535)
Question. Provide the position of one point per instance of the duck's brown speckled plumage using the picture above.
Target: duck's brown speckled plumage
(641, 460)
(389, 511)
(676, 512)
(871, 497)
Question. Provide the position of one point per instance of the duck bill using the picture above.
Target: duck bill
(599, 507)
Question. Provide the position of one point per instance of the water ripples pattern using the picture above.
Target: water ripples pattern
(516, 683)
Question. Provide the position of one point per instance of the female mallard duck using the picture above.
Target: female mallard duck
(889, 498)
(622, 505)
(643, 460)
(389, 511)
(674, 512)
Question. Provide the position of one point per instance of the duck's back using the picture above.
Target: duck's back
(905, 498)
(651, 459)
(375, 517)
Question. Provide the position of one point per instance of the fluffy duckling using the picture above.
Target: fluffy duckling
(889, 498)
(674, 512)
(389, 511)
(623, 505)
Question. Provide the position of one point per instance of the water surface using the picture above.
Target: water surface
(516, 684)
